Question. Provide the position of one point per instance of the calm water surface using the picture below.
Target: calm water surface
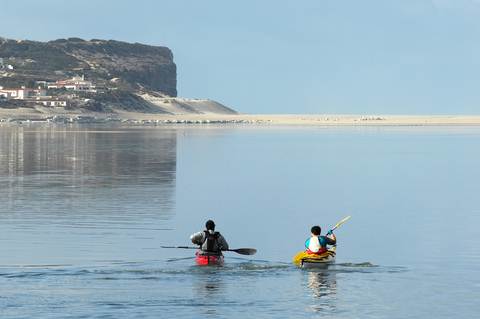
(84, 211)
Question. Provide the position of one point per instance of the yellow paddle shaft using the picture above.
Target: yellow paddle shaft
(341, 222)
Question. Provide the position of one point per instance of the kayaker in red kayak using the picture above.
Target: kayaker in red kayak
(211, 244)
(317, 244)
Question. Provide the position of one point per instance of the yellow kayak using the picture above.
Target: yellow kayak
(304, 260)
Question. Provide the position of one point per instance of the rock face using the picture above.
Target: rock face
(132, 66)
(121, 76)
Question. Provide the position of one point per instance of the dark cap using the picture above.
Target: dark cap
(210, 225)
(316, 230)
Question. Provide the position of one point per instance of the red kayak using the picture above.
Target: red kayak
(207, 259)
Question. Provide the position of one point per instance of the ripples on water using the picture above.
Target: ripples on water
(84, 211)
(103, 289)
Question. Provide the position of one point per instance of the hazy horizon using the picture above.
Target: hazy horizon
(397, 57)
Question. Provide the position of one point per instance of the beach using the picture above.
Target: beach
(39, 114)
(320, 119)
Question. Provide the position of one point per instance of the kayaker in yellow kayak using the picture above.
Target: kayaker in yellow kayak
(316, 244)
(209, 240)
(317, 253)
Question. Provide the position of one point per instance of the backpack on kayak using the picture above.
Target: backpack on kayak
(210, 244)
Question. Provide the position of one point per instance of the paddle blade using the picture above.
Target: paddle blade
(244, 251)
(341, 222)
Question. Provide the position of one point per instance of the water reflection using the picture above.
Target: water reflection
(49, 162)
(209, 290)
(323, 284)
(209, 285)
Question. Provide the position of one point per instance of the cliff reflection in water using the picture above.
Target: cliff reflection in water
(75, 166)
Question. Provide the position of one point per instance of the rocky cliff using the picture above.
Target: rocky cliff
(117, 76)
(127, 66)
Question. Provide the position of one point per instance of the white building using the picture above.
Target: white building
(50, 102)
(77, 83)
(22, 93)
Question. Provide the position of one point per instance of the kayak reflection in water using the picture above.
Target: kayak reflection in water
(211, 245)
(322, 283)
(317, 244)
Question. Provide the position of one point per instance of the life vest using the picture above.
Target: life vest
(210, 243)
(319, 252)
(318, 246)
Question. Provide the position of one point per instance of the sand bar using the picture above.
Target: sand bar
(263, 119)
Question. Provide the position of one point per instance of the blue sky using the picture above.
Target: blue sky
(274, 56)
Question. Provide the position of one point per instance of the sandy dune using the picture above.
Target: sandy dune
(183, 106)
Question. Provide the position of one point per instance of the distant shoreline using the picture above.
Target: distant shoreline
(25, 115)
